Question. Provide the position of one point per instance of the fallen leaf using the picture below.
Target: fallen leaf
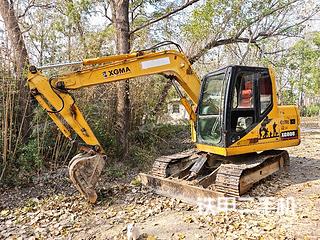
(188, 219)
(269, 227)
(151, 237)
(181, 236)
(4, 213)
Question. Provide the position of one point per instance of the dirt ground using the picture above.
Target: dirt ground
(286, 205)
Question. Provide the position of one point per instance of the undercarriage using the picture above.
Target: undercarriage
(191, 175)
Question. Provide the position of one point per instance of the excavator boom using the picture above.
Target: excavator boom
(53, 94)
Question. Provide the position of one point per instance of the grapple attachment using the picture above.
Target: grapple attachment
(84, 171)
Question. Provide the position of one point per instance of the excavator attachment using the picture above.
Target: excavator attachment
(84, 171)
(193, 175)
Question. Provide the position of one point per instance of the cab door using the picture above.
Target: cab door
(210, 109)
(249, 101)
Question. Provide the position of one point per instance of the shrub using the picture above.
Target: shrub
(310, 111)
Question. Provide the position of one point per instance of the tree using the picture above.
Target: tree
(120, 19)
(121, 23)
(303, 63)
(21, 60)
(247, 22)
(240, 25)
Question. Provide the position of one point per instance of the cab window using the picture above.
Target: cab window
(243, 102)
(252, 98)
(211, 109)
(265, 89)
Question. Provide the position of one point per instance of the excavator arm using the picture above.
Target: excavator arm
(53, 94)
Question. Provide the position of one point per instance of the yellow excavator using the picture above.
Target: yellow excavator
(236, 123)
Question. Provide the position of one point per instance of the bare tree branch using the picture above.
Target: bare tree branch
(217, 43)
(33, 5)
(187, 4)
(259, 36)
(298, 23)
(243, 57)
(106, 12)
(137, 6)
(131, 11)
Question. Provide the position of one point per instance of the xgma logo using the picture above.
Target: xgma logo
(115, 72)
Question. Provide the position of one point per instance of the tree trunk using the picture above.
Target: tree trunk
(163, 96)
(21, 60)
(121, 23)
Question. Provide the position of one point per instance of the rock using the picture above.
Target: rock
(8, 222)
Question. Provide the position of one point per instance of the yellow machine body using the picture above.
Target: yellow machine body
(286, 120)
(233, 111)
(52, 95)
(252, 141)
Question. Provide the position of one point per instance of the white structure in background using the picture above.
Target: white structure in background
(176, 113)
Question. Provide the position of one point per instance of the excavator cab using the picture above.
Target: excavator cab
(233, 104)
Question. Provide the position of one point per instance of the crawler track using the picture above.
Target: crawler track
(161, 166)
(232, 177)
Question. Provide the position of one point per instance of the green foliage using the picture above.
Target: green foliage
(289, 97)
(297, 69)
(141, 157)
(150, 141)
(29, 158)
(136, 182)
(151, 135)
(224, 19)
(302, 69)
(28, 162)
(115, 170)
(311, 111)
(75, 9)
(305, 62)
(45, 148)
(201, 22)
